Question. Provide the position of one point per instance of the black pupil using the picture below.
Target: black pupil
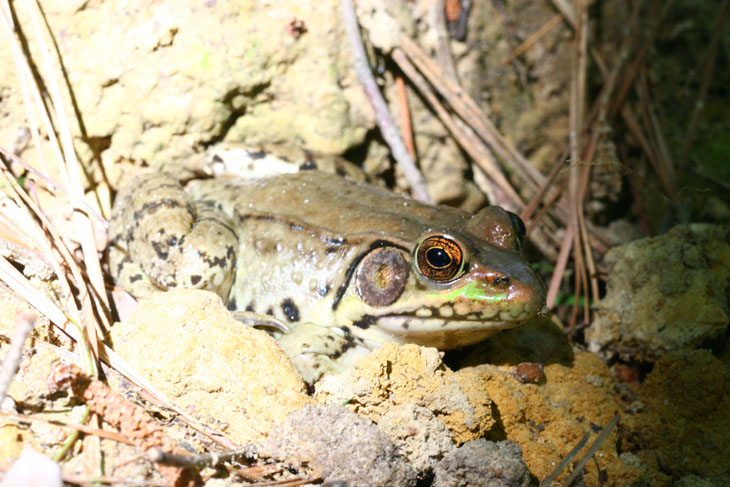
(438, 257)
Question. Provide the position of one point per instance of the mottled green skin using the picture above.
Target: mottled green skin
(290, 246)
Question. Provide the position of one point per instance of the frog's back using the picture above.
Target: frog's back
(327, 203)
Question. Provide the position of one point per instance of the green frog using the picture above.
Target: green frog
(339, 265)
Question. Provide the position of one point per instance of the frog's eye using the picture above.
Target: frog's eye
(440, 258)
(519, 226)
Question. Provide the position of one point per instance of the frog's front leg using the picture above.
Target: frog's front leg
(160, 239)
(316, 350)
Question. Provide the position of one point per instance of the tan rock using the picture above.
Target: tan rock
(231, 376)
(548, 419)
(417, 434)
(182, 77)
(664, 294)
(409, 374)
(684, 425)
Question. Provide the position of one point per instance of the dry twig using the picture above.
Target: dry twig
(133, 422)
(385, 121)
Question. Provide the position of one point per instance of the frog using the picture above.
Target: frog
(332, 265)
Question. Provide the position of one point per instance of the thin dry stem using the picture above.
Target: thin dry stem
(24, 418)
(437, 17)
(534, 37)
(467, 108)
(382, 115)
(567, 10)
(405, 116)
(560, 266)
(592, 450)
(24, 323)
(129, 418)
(476, 150)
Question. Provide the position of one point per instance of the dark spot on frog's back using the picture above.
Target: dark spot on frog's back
(231, 304)
(290, 310)
(152, 206)
(195, 279)
(251, 307)
(160, 251)
(308, 166)
(257, 155)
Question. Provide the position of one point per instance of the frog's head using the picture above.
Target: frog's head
(450, 288)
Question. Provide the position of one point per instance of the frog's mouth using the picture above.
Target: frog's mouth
(442, 333)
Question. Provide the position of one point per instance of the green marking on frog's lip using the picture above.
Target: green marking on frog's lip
(475, 292)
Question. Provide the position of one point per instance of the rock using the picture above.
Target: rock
(223, 68)
(694, 481)
(232, 376)
(548, 419)
(409, 374)
(418, 435)
(340, 446)
(482, 463)
(238, 71)
(667, 293)
(685, 425)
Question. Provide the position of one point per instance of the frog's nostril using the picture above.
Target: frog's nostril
(501, 281)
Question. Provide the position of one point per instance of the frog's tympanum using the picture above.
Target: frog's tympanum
(344, 265)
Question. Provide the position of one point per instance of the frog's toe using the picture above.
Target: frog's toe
(317, 350)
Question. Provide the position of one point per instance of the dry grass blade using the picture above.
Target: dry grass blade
(466, 139)
(534, 37)
(664, 166)
(405, 116)
(31, 227)
(561, 265)
(437, 21)
(23, 418)
(467, 109)
(578, 169)
(567, 10)
(86, 313)
(656, 14)
(382, 114)
(82, 223)
(592, 450)
(24, 323)
(129, 418)
(565, 461)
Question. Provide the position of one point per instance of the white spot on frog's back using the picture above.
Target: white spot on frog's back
(297, 277)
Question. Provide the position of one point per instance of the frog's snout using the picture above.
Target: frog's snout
(527, 296)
